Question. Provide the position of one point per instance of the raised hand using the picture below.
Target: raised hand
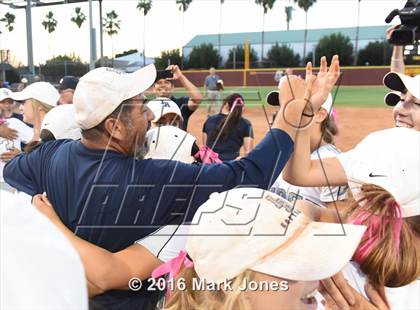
(324, 82)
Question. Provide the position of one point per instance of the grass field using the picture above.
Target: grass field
(347, 96)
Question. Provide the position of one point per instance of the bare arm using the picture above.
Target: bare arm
(104, 270)
(204, 138)
(248, 144)
(192, 90)
(397, 59)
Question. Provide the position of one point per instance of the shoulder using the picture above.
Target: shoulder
(181, 100)
(327, 150)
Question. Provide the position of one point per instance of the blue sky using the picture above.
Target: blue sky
(164, 28)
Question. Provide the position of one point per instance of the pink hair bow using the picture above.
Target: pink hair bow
(237, 103)
(172, 268)
(207, 155)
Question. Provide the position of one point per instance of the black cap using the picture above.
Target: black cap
(68, 82)
(273, 98)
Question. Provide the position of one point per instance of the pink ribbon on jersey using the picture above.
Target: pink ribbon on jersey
(172, 268)
(207, 155)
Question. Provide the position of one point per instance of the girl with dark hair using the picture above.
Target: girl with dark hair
(228, 131)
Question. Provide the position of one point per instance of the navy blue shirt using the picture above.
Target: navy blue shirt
(182, 103)
(229, 147)
(112, 200)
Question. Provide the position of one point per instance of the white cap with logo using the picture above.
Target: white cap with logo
(100, 91)
(401, 83)
(162, 106)
(42, 91)
(5, 94)
(250, 228)
(388, 158)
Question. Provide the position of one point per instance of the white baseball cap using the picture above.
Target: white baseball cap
(61, 121)
(388, 158)
(5, 94)
(41, 91)
(401, 82)
(169, 142)
(100, 91)
(250, 228)
(162, 106)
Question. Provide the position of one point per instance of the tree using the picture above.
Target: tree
(375, 54)
(203, 56)
(80, 18)
(172, 57)
(267, 5)
(50, 23)
(336, 43)
(236, 58)
(305, 5)
(9, 19)
(129, 52)
(183, 6)
(288, 10)
(144, 6)
(61, 65)
(282, 56)
(111, 25)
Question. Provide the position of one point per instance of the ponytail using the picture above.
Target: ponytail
(230, 121)
(389, 252)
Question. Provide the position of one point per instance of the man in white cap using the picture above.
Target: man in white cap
(109, 198)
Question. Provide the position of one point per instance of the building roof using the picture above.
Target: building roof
(291, 36)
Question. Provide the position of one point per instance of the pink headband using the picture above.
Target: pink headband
(172, 268)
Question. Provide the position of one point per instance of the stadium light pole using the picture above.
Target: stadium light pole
(356, 43)
(29, 37)
(92, 48)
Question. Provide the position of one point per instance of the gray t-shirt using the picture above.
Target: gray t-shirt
(211, 82)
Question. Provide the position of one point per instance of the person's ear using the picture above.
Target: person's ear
(115, 128)
(320, 116)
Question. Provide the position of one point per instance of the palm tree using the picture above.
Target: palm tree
(305, 5)
(183, 6)
(145, 6)
(288, 10)
(267, 5)
(50, 23)
(80, 18)
(219, 37)
(9, 19)
(111, 25)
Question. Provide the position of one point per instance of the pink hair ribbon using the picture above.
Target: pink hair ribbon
(237, 103)
(376, 225)
(207, 155)
(172, 268)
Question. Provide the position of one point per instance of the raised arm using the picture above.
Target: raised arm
(397, 59)
(192, 90)
(300, 169)
(104, 270)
